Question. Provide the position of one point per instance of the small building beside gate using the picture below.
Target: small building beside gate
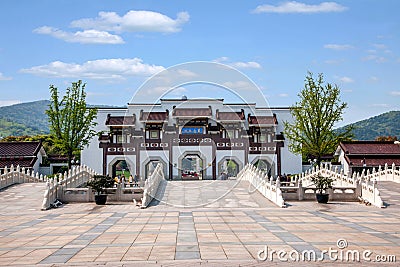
(28, 155)
(356, 156)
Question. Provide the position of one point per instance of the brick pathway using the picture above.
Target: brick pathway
(226, 232)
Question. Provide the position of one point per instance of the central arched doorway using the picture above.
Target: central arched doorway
(192, 167)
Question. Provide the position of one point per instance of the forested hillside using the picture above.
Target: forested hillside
(27, 118)
(386, 124)
(24, 119)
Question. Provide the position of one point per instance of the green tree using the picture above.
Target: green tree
(319, 108)
(71, 122)
(386, 138)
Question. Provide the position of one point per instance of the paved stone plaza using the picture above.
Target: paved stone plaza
(222, 225)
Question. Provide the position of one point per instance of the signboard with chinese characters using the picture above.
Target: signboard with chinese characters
(192, 130)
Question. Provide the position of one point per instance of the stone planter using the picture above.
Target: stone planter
(322, 198)
(100, 199)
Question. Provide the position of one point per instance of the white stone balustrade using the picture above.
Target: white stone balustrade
(260, 181)
(55, 187)
(151, 185)
(17, 175)
(366, 185)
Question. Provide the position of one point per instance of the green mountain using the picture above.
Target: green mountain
(27, 118)
(386, 124)
(24, 119)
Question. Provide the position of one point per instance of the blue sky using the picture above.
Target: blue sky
(114, 46)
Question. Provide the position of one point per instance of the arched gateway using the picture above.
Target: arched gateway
(193, 139)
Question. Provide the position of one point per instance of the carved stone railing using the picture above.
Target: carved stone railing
(58, 186)
(151, 185)
(260, 181)
(365, 185)
(17, 175)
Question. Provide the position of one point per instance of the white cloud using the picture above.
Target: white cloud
(334, 61)
(133, 21)
(239, 64)
(4, 78)
(178, 91)
(380, 46)
(377, 105)
(283, 95)
(379, 53)
(373, 79)
(116, 68)
(83, 37)
(239, 85)
(221, 59)
(338, 46)
(297, 7)
(377, 59)
(162, 91)
(9, 102)
(246, 65)
(395, 93)
(346, 79)
(186, 73)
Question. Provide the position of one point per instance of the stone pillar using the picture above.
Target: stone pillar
(300, 191)
(278, 156)
(170, 163)
(214, 162)
(105, 160)
(137, 150)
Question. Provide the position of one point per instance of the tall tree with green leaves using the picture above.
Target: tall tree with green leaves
(71, 121)
(312, 134)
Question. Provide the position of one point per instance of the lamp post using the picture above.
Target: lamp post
(74, 163)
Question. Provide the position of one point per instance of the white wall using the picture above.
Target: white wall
(92, 155)
(291, 163)
(345, 166)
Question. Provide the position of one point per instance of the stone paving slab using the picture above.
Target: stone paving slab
(214, 234)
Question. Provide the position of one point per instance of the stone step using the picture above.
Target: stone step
(390, 193)
(209, 193)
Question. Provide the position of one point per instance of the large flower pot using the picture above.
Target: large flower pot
(100, 199)
(322, 198)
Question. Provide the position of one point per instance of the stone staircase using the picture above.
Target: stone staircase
(208, 194)
(390, 193)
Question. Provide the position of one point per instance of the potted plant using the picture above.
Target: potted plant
(322, 184)
(99, 183)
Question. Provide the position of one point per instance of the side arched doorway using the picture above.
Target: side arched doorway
(150, 164)
(229, 165)
(120, 165)
(264, 165)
